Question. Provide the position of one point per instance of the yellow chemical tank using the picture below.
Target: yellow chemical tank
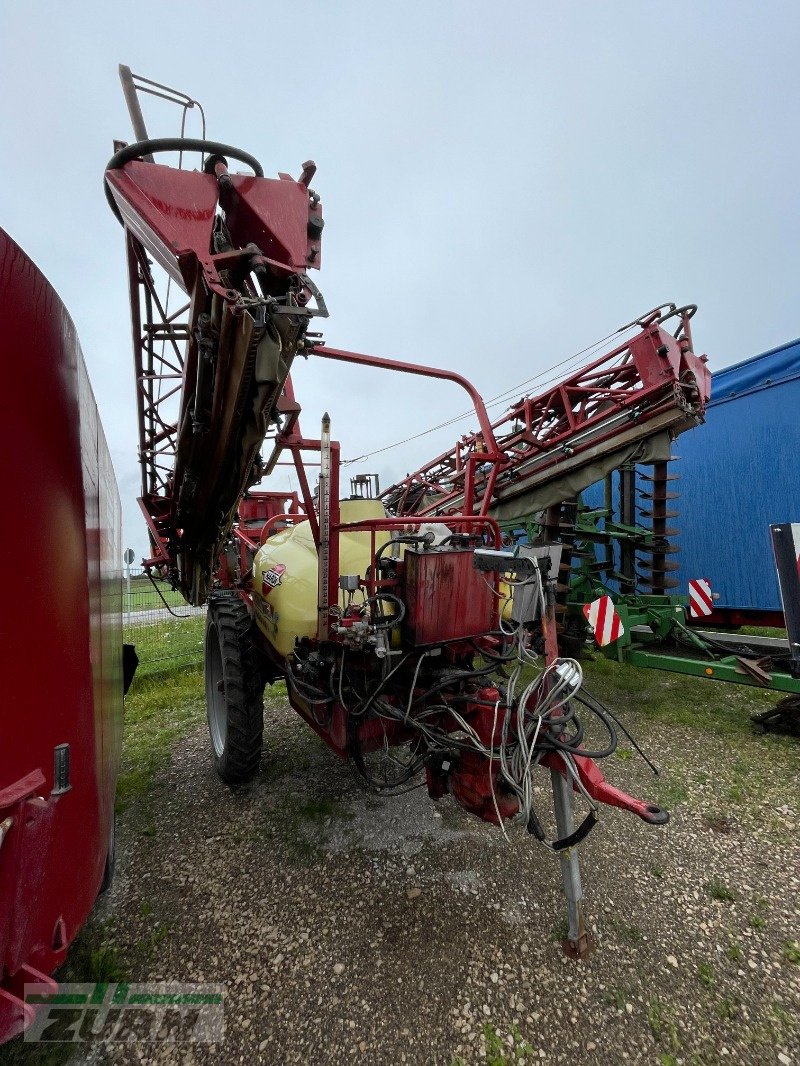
(285, 574)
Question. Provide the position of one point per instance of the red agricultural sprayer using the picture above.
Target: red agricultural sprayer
(408, 638)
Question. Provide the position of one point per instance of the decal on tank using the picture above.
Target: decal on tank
(268, 615)
(272, 578)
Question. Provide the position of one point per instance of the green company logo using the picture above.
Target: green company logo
(165, 1012)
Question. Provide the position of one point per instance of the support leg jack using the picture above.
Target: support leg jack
(577, 943)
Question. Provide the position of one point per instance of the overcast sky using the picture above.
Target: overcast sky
(502, 183)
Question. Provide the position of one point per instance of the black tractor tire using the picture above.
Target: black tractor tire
(234, 691)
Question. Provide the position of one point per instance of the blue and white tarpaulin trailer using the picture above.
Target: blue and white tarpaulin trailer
(738, 475)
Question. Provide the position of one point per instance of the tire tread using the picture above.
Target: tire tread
(241, 757)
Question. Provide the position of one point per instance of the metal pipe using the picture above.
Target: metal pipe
(570, 865)
(491, 455)
(576, 942)
(134, 107)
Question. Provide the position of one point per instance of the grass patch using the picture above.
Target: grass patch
(628, 934)
(144, 597)
(737, 793)
(615, 997)
(719, 890)
(158, 709)
(676, 699)
(784, 1019)
(499, 1053)
(759, 920)
(94, 955)
(662, 1024)
(763, 631)
(93, 958)
(710, 723)
(669, 792)
(728, 1009)
(776, 1023)
(791, 952)
(165, 647)
(148, 945)
(560, 930)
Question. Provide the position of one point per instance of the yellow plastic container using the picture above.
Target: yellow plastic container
(285, 574)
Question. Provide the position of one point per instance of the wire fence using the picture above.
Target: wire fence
(159, 622)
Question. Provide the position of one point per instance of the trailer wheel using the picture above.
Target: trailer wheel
(234, 692)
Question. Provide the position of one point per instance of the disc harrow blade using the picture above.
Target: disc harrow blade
(656, 495)
(660, 586)
(647, 513)
(659, 566)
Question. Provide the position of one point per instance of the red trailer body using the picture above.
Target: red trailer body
(61, 648)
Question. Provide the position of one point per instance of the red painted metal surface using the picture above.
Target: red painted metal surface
(476, 784)
(259, 514)
(171, 212)
(210, 372)
(446, 598)
(61, 651)
(602, 791)
(724, 617)
(290, 439)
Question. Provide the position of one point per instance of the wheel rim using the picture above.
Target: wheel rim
(215, 693)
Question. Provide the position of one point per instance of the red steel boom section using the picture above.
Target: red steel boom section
(598, 417)
(210, 373)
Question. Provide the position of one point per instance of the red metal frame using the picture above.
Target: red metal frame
(291, 439)
(652, 381)
(490, 454)
(194, 365)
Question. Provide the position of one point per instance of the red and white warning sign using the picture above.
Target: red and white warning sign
(700, 602)
(604, 621)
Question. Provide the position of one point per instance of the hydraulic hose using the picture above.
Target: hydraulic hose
(174, 144)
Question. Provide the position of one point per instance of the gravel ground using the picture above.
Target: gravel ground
(347, 927)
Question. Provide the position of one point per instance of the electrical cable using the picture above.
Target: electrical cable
(485, 654)
(569, 362)
(491, 775)
(413, 686)
(161, 597)
(543, 720)
(387, 621)
(593, 699)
